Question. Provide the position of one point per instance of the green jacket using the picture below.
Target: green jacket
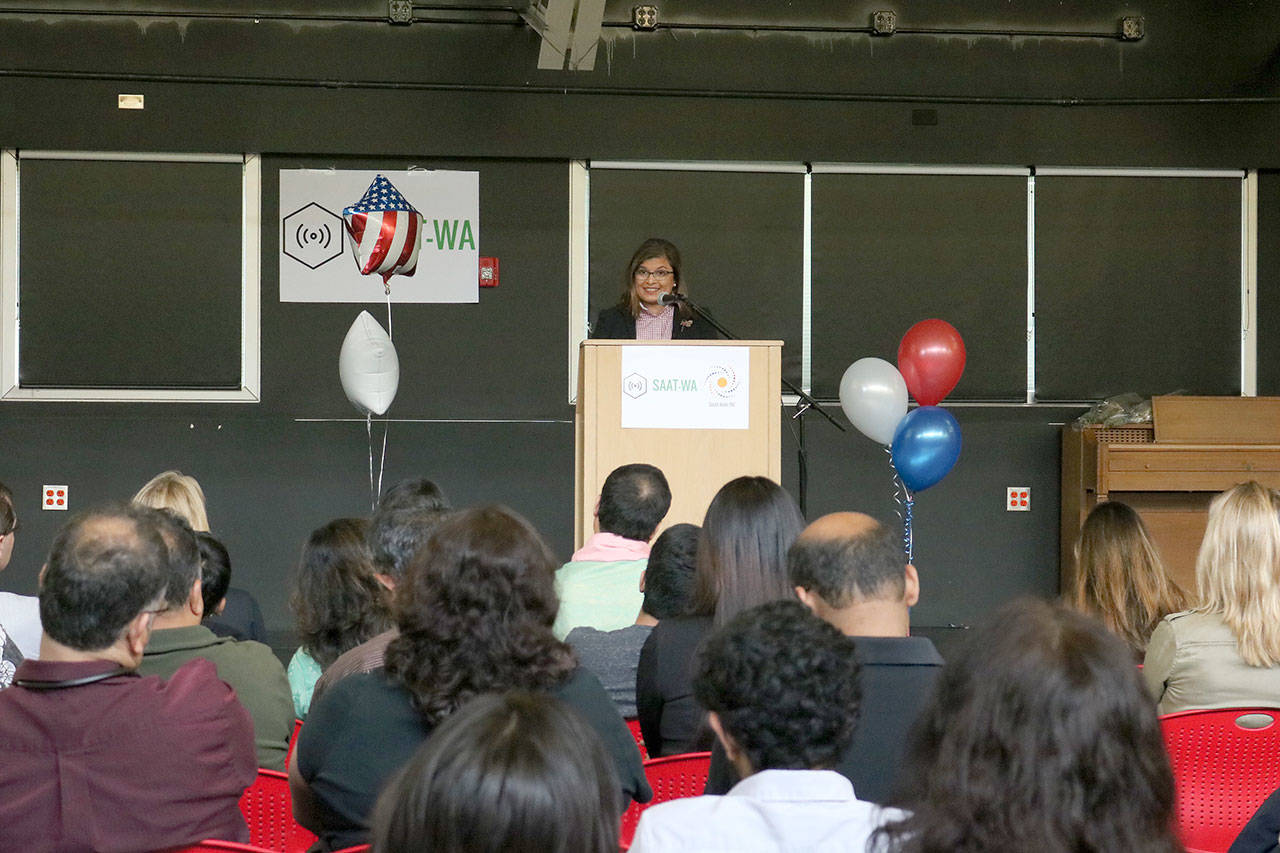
(251, 669)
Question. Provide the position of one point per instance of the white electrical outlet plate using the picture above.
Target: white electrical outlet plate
(1018, 499)
(54, 497)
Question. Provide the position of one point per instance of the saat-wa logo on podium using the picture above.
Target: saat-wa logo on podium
(684, 387)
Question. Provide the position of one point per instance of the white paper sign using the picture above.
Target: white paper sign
(316, 261)
(685, 387)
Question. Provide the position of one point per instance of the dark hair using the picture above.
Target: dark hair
(106, 566)
(8, 516)
(784, 684)
(337, 601)
(841, 570)
(517, 772)
(742, 552)
(406, 515)
(668, 577)
(475, 610)
(654, 247)
(183, 554)
(633, 501)
(215, 571)
(1040, 736)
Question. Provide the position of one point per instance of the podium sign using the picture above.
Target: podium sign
(679, 387)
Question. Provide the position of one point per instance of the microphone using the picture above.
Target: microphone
(671, 298)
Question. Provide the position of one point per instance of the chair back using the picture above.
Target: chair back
(634, 725)
(268, 810)
(225, 846)
(1225, 763)
(671, 778)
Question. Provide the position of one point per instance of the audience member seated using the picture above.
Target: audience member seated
(1226, 652)
(215, 574)
(667, 584)
(742, 562)
(1040, 737)
(337, 601)
(1119, 576)
(19, 614)
(239, 616)
(474, 609)
(96, 758)
(405, 518)
(516, 772)
(600, 586)
(851, 571)
(781, 689)
(250, 668)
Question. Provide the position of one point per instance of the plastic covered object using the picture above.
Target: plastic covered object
(1118, 410)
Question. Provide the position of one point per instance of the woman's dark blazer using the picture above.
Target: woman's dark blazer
(614, 323)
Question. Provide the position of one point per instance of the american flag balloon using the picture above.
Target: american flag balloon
(385, 231)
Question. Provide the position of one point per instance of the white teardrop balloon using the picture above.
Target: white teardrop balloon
(368, 366)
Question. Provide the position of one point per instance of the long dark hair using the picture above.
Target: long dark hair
(337, 601)
(1041, 736)
(508, 773)
(742, 549)
(475, 610)
(654, 247)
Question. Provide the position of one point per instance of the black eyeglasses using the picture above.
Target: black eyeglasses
(660, 275)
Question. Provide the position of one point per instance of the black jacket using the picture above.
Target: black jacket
(614, 323)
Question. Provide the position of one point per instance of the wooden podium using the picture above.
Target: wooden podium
(1169, 470)
(696, 462)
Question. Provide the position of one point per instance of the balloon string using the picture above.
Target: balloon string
(388, 288)
(382, 465)
(368, 427)
(902, 496)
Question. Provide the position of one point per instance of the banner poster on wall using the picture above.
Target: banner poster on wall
(317, 263)
(678, 387)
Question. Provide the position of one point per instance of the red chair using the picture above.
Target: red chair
(671, 778)
(1225, 763)
(227, 846)
(634, 725)
(268, 809)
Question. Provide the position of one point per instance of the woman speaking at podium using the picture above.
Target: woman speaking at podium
(654, 273)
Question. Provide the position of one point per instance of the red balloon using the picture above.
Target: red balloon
(931, 360)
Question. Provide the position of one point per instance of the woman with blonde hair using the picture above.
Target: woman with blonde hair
(1225, 653)
(1119, 576)
(175, 491)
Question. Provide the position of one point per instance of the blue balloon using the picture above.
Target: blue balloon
(926, 445)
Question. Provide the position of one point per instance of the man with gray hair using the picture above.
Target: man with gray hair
(96, 757)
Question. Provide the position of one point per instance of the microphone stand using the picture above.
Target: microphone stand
(804, 402)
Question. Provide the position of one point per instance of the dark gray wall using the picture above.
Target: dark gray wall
(334, 83)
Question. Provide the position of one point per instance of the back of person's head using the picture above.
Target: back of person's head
(8, 515)
(784, 685)
(176, 492)
(1238, 569)
(405, 517)
(475, 610)
(105, 567)
(633, 501)
(215, 571)
(516, 772)
(182, 554)
(845, 558)
(1040, 736)
(336, 598)
(1119, 575)
(742, 552)
(668, 577)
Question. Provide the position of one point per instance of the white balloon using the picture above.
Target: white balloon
(873, 395)
(368, 366)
